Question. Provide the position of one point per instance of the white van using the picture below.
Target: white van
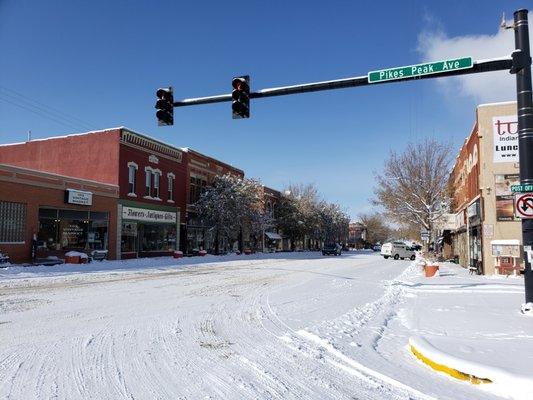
(397, 250)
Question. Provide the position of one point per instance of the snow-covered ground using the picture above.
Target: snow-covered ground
(273, 326)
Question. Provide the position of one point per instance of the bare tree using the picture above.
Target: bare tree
(412, 187)
(377, 231)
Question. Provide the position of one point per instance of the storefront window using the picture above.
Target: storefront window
(129, 237)
(157, 237)
(73, 234)
(47, 236)
(72, 229)
(97, 235)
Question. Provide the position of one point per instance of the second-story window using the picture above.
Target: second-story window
(156, 185)
(198, 185)
(171, 186)
(132, 177)
(148, 183)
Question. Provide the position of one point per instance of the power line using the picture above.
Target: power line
(64, 123)
(54, 112)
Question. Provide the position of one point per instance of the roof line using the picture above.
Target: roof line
(53, 174)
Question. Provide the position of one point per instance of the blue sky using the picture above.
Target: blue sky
(100, 62)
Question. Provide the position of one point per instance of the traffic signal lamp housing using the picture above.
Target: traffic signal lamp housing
(165, 106)
(240, 103)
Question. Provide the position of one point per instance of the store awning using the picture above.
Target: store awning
(273, 236)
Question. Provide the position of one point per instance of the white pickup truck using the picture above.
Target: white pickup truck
(397, 250)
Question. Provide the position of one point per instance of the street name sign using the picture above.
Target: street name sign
(523, 205)
(521, 188)
(412, 71)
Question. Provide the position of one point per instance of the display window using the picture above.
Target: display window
(72, 230)
(157, 237)
(146, 237)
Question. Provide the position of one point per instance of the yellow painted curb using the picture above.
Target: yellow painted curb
(447, 370)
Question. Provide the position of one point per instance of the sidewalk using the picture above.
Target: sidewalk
(471, 327)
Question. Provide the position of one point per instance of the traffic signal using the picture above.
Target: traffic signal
(165, 106)
(240, 105)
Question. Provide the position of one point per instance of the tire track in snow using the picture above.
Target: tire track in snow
(129, 346)
(311, 344)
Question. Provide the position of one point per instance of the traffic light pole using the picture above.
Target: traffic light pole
(497, 64)
(525, 137)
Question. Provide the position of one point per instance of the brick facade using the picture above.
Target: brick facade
(37, 189)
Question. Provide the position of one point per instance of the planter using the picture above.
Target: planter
(177, 254)
(430, 270)
(202, 253)
(72, 259)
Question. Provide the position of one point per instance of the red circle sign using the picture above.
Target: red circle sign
(524, 205)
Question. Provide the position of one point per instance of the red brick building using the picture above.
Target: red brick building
(151, 176)
(466, 202)
(357, 233)
(65, 213)
(201, 171)
(274, 240)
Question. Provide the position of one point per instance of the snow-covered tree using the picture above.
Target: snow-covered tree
(301, 213)
(258, 219)
(412, 187)
(232, 204)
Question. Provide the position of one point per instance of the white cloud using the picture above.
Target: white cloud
(485, 87)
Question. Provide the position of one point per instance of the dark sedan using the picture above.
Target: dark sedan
(332, 249)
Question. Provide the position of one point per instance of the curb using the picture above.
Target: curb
(419, 347)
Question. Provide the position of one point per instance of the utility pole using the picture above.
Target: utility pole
(524, 102)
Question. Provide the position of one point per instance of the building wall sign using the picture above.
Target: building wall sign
(472, 210)
(146, 215)
(505, 248)
(505, 130)
(504, 196)
(80, 197)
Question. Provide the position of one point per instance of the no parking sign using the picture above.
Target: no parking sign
(523, 205)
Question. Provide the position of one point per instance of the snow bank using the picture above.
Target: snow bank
(518, 387)
(144, 264)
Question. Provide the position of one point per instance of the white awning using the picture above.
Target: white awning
(273, 236)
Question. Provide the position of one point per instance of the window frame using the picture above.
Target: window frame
(170, 186)
(17, 222)
(132, 178)
(148, 182)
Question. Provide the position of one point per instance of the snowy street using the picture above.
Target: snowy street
(289, 325)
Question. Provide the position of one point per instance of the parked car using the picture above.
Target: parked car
(397, 250)
(332, 248)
